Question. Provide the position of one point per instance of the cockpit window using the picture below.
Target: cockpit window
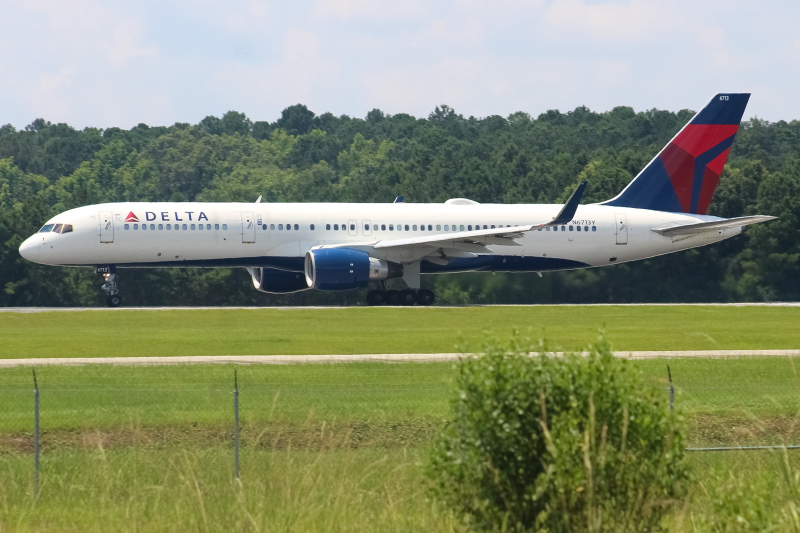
(67, 228)
(47, 228)
(57, 228)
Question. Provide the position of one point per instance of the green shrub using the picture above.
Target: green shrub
(551, 443)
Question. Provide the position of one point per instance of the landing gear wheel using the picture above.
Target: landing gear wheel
(425, 297)
(408, 297)
(393, 297)
(114, 300)
(376, 297)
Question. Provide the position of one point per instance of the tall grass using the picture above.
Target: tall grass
(194, 490)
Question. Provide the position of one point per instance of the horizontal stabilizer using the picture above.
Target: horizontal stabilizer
(687, 229)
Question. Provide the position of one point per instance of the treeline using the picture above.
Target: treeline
(48, 168)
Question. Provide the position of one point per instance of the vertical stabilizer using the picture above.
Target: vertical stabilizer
(682, 178)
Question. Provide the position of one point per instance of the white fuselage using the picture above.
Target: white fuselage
(279, 235)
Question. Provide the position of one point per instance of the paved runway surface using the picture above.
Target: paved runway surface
(383, 358)
(72, 309)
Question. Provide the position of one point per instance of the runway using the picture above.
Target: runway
(413, 307)
(355, 358)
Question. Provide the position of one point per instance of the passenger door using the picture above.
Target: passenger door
(621, 229)
(352, 227)
(367, 227)
(106, 226)
(248, 228)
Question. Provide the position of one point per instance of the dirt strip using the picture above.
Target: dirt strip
(353, 358)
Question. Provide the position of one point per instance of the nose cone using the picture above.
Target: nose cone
(30, 249)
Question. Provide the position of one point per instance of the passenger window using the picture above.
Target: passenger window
(563, 228)
(184, 226)
(336, 227)
(547, 228)
(136, 226)
(161, 226)
(414, 227)
(144, 226)
(127, 226)
(208, 226)
(438, 227)
(312, 227)
(594, 228)
(422, 227)
(571, 228)
(391, 227)
(555, 228)
(224, 226)
(586, 228)
(192, 227)
(462, 227)
(579, 228)
(288, 227)
(263, 227)
(447, 227)
(327, 226)
(366, 227)
(169, 226)
(406, 228)
(352, 227)
(492, 226)
(383, 227)
(374, 227)
(296, 227)
(216, 226)
(280, 226)
(469, 227)
(272, 226)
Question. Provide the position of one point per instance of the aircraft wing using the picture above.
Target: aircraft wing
(687, 229)
(464, 243)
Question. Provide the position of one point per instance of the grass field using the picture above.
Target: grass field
(341, 447)
(96, 333)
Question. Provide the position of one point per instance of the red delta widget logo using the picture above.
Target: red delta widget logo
(131, 217)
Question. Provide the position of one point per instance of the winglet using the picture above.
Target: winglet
(399, 200)
(258, 201)
(568, 211)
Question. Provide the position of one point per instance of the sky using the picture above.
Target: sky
(98, 63)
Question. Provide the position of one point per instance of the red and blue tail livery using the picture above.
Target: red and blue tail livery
(682, 178)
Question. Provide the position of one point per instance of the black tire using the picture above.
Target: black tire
(425, 297)
(115, 300)
(376, 297)
(408, 297)
(393, 297)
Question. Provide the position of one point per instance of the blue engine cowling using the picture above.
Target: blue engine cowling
(276, 281)
(339, 269)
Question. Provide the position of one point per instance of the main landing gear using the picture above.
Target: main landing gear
(404, 297)
(113, 299)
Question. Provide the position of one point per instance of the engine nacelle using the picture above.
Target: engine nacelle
(278, 281)
(338, 269)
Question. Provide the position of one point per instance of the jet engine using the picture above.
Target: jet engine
(338, 269)
(277, 281)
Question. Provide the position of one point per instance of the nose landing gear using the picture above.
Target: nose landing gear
(113, 299)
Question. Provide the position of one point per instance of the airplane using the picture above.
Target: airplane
(290, 247)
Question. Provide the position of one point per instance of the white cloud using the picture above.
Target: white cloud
(618, 22)
(370, 9)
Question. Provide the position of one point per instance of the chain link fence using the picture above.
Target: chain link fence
(726, 403)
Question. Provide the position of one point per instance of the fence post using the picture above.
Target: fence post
(236, 421)
(35, 435)
(671, 390)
